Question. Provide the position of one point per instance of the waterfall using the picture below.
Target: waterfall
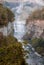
(19, 24)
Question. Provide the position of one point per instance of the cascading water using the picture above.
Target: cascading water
(19, 24)
(19, 29)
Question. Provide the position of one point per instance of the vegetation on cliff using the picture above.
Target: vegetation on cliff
(37, 15)
(11, 51)
(38, 44)
(6, 15)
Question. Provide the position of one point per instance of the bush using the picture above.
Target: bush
(11, 52)
(38, 44)
(6, 15)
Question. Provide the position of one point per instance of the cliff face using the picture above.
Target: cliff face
(6, 20)
(6, 30)
(36, 26)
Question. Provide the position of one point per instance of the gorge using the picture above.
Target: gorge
(21, 29)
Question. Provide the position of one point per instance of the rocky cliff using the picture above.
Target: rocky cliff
(35, 24)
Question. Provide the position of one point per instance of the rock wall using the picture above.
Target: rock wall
(34, 28)
(6, 30)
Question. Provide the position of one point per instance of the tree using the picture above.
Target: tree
(6, 15)
(11, 52)
(38, 44)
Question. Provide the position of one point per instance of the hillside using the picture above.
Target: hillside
(35, 22)
(37, 14)
(35, 30)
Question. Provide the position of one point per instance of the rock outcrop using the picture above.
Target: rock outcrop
(6, 30)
